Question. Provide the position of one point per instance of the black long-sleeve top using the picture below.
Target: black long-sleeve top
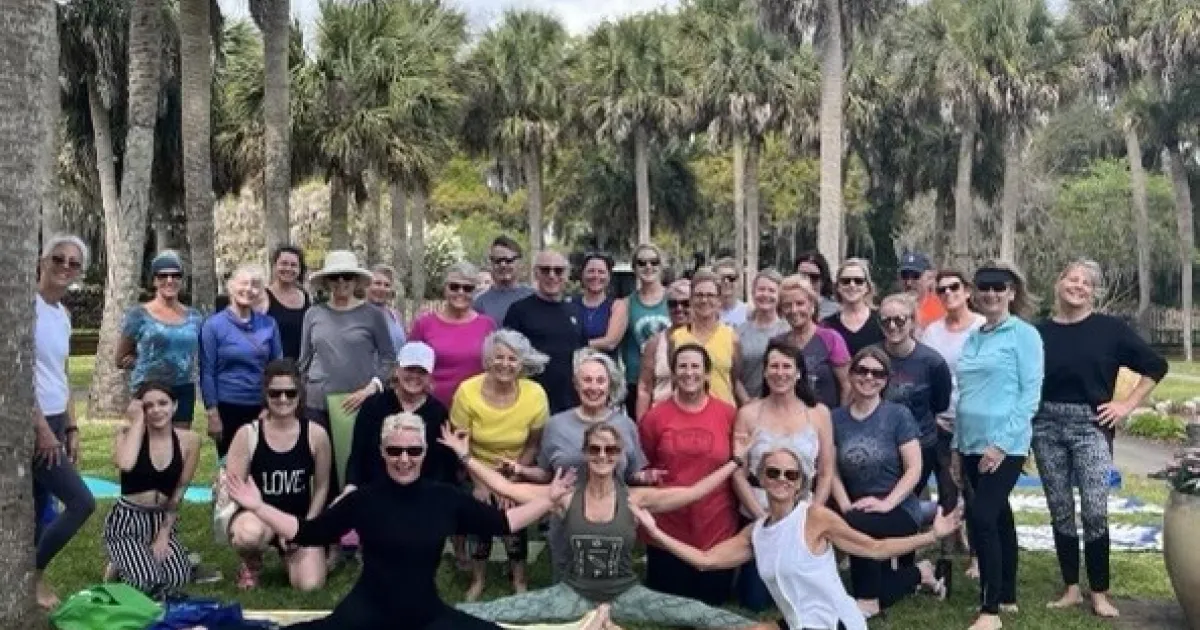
(1082, 359)
(403, 529)
(365, 464)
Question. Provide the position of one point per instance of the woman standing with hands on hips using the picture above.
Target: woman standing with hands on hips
(1000, 377)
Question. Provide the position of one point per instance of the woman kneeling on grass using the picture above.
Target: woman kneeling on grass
(802, 578)
(601, 532)
(156, 461)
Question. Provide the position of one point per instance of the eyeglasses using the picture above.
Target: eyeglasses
(169, 275)
(608, 451)
(290, 394)
(503, 260)
(849, 280)
(949, 288)
(897, 321)
(705, 296)
(63, 261)
(648, 262)
(460, 287)
(411, 451)
(552, 270)
(877, 374)
(910, 275)
(813, 276)
(992, 287)
(343, 277)
(678, 303)
(729, 278)
(774, 473)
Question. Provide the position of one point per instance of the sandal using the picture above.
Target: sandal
(247, 577)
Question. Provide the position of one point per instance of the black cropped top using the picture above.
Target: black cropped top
(145, 476)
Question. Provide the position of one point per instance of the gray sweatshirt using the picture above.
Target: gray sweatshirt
(341, 351)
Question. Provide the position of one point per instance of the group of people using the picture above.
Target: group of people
(744, 441)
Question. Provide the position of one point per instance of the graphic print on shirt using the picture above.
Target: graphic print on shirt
(692, 442)
(902, 389)
(860, 456)
(284, 483)
(596, 557)
(649, 325)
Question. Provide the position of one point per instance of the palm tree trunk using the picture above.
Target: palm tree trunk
(125, 232)
(420, 201)
(274, 19)
(1187, 240)
(1141, 217)
(371, 220)
(1010, 197)
(829, 222)
(339, 231)
(196, 69)
(739, 205)
(27, 31)
(533, 179)
(51, 214)
(399, 203)
(753, 150)
(641, 167)
(961, 254)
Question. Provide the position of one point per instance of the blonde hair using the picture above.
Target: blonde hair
(904, 300)
(768, 274)
(253, 271)
(403, 421)
(705, 275)
(800, 282)
(865, 267)
(1092, 270)
(616, 378)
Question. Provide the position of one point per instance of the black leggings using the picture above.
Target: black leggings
(877, 579)
(936, 459)
(667, 574)
(993, 532)
(234, 417)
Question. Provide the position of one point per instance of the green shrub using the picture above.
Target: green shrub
(1157, 426)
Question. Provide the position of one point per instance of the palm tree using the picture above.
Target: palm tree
(273, 18)
(26, 35)
(832, 25)
(633, 89)
(195, 34)
(517, 102)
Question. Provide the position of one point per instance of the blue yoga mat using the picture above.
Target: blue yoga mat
(105, 489)
(1033, 481)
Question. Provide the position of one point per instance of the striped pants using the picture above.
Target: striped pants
(129, 531)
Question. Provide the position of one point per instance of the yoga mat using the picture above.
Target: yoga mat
(1122, 537)
(105, 489)
(341, 424)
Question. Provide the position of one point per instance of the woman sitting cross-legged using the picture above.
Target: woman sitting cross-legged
(156, 461)
(792, 548)
(403, 522)
(601, 533)
(288, 458)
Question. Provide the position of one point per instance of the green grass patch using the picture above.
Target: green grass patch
(1183, 367)
(1156, 426)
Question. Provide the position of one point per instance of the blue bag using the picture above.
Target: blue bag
(184, 614)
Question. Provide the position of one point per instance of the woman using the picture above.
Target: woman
(160, 339)
(718, 339)
(504, 411)
(156, 461)
(999, 383)
(687, 435)
(879, 463)
(920, 380)
(456, 332)
(856, 321)
(397, 587)
(1078, 417)
(824, 350)
(381, 293)
(812, 265)
(654, 384)
(647, 315)
(733, 310)
(288, 457)
(287, 300)
(599, 523)
(236, 345)
(762, 325)
(603, 316)
(792, 545)
(787, 414)
(56, 432)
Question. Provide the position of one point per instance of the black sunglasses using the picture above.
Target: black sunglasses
(610, 451)
(283, 393)
(774, 473)
(897, 321)
(910, 275)
(949, 288)
(503, 260)
(172, 275)
(814, 276)
(849, 280)
(648, 262)
(551, 270)
(679, 303)
(992, 287)
(343, 277)
(397, 451)
(877, 374)
(63, 261)
(460, 287)
(729, 278)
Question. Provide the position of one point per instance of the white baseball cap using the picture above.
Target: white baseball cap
(416, 354)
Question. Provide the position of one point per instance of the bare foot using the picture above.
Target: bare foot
(869, 607)
(473, 591)
(598, 619)
(973, 569)
(47, 599)
(519, 587)
(986, 622)
(1103, 607)
(1071, 597)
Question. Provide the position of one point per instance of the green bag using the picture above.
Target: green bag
(111, 606)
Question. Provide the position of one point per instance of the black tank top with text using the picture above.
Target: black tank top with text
(285, 479)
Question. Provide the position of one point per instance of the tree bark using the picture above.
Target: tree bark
(274, 20)
(739, 206)
(339, 199)
(196, 85)
(641, 166)
(51, 212)
(420, 201)
(1010, 197)
(399, 202)
(829, 222)
(27, 30)
(125, 232)
(1141, 217)
(533, 181)
(961, 254)
(371, 239)
(753, 150)
(1187, 240)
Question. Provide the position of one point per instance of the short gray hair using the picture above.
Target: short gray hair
(385, 270)
(1094, 272)
(768, 274)
(464, 269)
(255, 271)
(403, 421)
(532, 361)
(616, 378)
(66, 239)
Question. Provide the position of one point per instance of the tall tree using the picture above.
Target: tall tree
(27, 32)
(195, 35)
(832, 25)
(273, 18)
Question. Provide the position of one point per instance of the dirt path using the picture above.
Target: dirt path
(1141, 457)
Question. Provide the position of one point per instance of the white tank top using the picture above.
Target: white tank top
(806, 587)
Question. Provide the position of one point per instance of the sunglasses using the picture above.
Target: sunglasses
(503, 260)
(705, 296)
(169, 275)
(290, 394)
(730, 278)
(814, 276)
(608, 451)
(774, 473)
(849, 280)
(992, 287)
(551, 270)
(910, 275)
(678, 303)
(648, 262)
(397, 451)
(63, 261)
(879, 374)
(460, 287)
(343, 277)
(949, 288)
(897, 321)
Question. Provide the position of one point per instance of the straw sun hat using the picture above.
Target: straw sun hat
(340, 262)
